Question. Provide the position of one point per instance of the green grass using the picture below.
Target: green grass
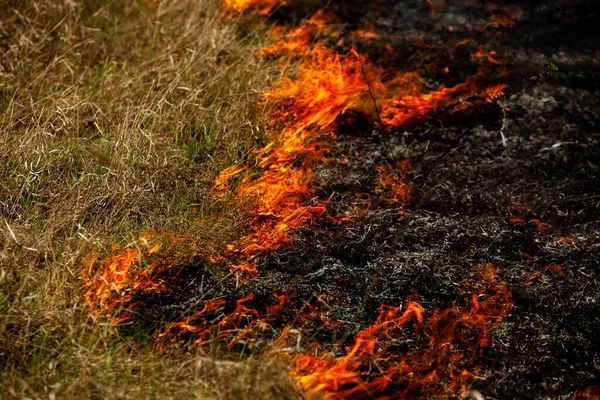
(115, 116)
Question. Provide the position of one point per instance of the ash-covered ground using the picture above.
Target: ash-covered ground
(513, 183)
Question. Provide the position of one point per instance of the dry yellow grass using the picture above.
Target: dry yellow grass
(115, 116)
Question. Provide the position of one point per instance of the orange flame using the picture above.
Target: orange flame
(279, 187)
(261, 7)
(210, 324)
(557, 269)
(448, 341)
(589, 393)
(327, 85)
(111, 284)
(114, 283)
(487, 54)
(394, 186)
(296, 41)
(437, 6)
(503, 17)
(521, 214)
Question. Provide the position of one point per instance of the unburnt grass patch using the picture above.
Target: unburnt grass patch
(114, 118)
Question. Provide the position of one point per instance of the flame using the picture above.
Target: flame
(394, 186)
(522, 214)
(503, 17)
(327, 84)
(437, 6)
(226, 175)
(589, 393)
(261, 7)
(211, 324)
(277, 185)
(367, 34)
(566, 240)
(119, 278)
(494, 92)
(112, 284)
(296, 41)
(489, 55)
(447, 342)
(557, 269)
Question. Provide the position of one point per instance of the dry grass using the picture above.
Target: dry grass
(115, 116)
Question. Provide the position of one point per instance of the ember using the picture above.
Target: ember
(384, 174)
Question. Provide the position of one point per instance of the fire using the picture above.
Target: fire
(327, 84)
(394, 186)
(522, 214)
(557, 269)
(494, 92)
(296, 41)
(590, 393)
(487, 54)
(212, 324)
(447, 343)
(503, 17)
(279, 183)
(262, 7)
(112, 284)
(437, 6)
(226, 175)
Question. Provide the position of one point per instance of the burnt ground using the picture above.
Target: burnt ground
(466, 198)
(468, 184)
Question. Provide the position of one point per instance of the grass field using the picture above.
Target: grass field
(115, 117)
